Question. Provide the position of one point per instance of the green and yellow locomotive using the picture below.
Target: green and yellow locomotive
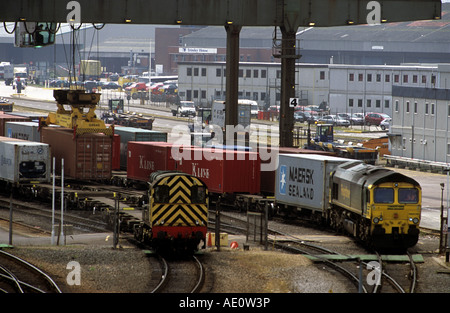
(377, 205)
(176, 218)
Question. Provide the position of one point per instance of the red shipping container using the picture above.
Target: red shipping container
(234, 172)
(115, 153)
(146, 157)
(88, 156)
(9, 118)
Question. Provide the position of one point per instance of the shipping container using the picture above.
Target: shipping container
(135, 134)
(4, 118)
(88, 156)
(304, 180)
(115, 153)
(146, 157)
(24, 161)
(223, 171)
(23, 130)
(270, 159)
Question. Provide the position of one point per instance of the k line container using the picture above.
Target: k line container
(223, 171)
(24, 161)
(304, 180)
(135, 134)
(146, 157)
(87, 157)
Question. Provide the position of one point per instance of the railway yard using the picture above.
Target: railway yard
(299, 257)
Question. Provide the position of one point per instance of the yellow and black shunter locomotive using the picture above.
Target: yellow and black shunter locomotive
(377, 205)
(177, 215)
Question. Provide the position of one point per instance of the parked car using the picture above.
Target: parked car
(335, 120)
(385, 123)
(138, 86)
(304, 117)
(375, 118)
(111, 85)
(357, 119)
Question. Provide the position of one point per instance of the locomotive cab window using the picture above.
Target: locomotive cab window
(198, 194)
(161, 194)
(408, 195)
(384, 195)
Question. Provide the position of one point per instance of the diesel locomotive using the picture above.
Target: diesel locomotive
(177, 215)
(376, 205)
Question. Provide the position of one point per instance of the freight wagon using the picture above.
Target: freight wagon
(23, 161)
(87, 157)
(4, 118)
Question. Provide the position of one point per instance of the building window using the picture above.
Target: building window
(378, 78)
(424, 79)
(195, 71)
(351, 77)
(387, 78)
(218, 72)
(396, 105)
(278, 73)
(369, 103)
(359, 103)
(432, 109)
(255, 73)
(448, 110)
(189, 71)
(414, 79)
(255, 96)
(448, 148)
(203, 71)
(405, 78)
(350, 103)
(248, 73)
(378, 103)
(386, 104)
(426, 108)
(360, 77)
(322, 75)
(241, 73)
(407, 106)
(396, 78)
(195, 94)
(433, 79)
(415, 107)
(263, 96)
(369, 77)
(263, 73)
(203, 94)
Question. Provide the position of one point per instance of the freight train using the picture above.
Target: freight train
(378, 206)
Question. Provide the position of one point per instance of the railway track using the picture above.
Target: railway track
(17, 275)
(368, 277)
(180, 276)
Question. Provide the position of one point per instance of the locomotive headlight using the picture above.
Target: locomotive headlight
(376, 220)
(161, 222)
(415, 220)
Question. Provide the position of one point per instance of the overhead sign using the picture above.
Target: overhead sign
(198, 50)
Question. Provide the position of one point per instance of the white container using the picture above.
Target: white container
(23, 130)
(24, 161)
(304, 180)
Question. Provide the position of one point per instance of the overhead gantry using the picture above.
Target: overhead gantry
(288, 15)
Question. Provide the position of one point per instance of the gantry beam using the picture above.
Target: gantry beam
(289, 13)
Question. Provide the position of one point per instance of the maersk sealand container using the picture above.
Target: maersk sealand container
(303, 181)
(24, 161)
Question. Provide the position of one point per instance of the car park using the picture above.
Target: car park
(302, 117)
